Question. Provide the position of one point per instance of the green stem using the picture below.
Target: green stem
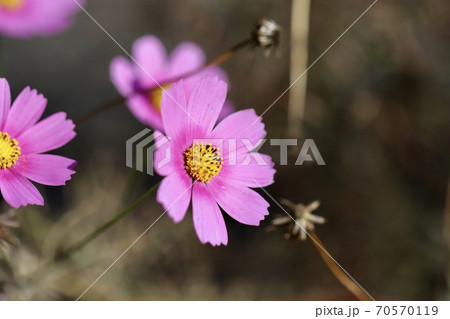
(82, 243)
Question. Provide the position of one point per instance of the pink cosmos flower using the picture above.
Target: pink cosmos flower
(23, 139)
(131, 79)
(27, 18)
(211, 164)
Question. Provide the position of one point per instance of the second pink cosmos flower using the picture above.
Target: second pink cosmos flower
(134, 80)
(211, 165)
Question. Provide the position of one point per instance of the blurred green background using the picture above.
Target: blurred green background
(377, 106)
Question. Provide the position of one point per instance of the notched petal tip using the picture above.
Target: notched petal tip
(215, 244)
(17, 206)
(72, 166)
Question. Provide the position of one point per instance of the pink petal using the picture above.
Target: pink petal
(26, 110)
(17, 190)
(251, 170)
(227, 109)
(205, 104)
(122, 76)
(159, 157)
(49, 134)
(208, 220)
(186, 57)
(38, 17)
(46, 169)
(217, 71)
(191, 82)
(168, 157)
(174, 111)
(242, 125)
(5, 101)
(241, 203)
(151, 55)
(210, 71)
(174, 194)
(145, 112)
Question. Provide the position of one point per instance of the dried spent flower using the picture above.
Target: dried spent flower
(266, 34)
(304, 219)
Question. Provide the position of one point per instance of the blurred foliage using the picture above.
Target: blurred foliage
(378, 108)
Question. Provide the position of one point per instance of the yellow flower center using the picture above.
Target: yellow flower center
(11, 4)
(156, 96)
(9, 151)
(202, 162)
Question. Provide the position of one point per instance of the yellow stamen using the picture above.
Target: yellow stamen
(9, 151)
(202, 162)
(11, 4)
(156, 96)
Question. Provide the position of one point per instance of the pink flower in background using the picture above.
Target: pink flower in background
(210, 174)
(23, 139)
(28, 18)
(132, 79)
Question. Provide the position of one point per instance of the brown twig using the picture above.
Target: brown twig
(447, 216)
(340, 275)
(102, 108)
(446, 234)
(216, 61)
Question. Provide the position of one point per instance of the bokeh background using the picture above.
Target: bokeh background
(377, 106)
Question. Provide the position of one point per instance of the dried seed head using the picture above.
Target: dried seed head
(266, 34)
(302, 220)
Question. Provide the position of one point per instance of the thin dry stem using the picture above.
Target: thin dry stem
(446, 234)
(447, 216)
(344, 279)
(299, 63)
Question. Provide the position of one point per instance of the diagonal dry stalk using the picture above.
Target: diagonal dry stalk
(343, 278)
(447, 216)
(446, 234)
